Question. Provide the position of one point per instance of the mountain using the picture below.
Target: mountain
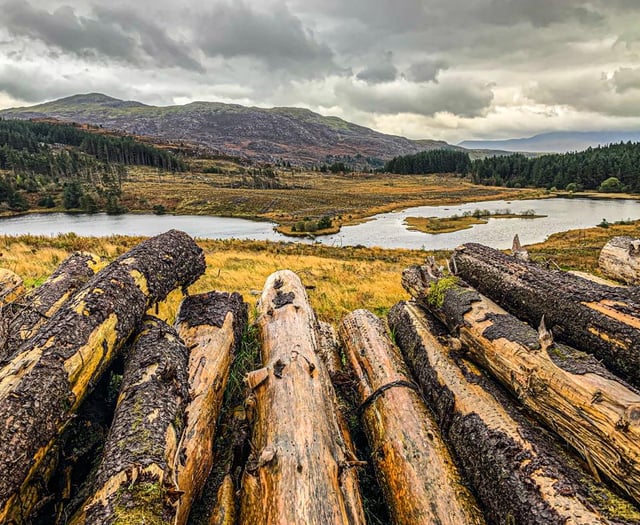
(290, 134)
(556, 142)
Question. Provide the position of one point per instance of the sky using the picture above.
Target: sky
(449, 70)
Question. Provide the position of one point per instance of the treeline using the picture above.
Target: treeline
(434, 161)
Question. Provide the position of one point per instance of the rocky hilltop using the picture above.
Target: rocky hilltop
(288, 134)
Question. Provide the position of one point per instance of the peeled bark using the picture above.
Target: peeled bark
(211, 326)
(620, 260)
(590, 408)
(136, 481)
(598, 319)
(11, 286)
(42, 387)
(420, 482)
(518, 472)
(301, 470)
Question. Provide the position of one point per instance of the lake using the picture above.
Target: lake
(385, 230)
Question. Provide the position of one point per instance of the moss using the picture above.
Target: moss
(612, 506)
(142, 503)
(437, 290)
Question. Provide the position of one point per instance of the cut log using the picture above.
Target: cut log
(11, 286)
(329, 349)
(211, 326)
(590, 408)
(420, 482)
(518, 472)
(620, 260)
(224, 512)
(598, 319)
(136, 481)
(41, 388)
(300, 470)
(31, 311)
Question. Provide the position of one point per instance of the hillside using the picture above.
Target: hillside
(289, 134)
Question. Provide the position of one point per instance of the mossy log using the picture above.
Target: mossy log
(42, 387)
(602, 320)
(518, 472)
(300, 470)
(620, 260)
(211, 326)
(11, 286)
(590, 408)
(420, 482)
(136, 481)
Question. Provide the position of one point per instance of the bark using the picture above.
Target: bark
(590, 408)
(620, 260)
(224, 513)
(518, 472)
(598, 319)
(136, 481)
(420, 482)
(42, 387)
(211, 326)
(328, 349)
(11, 286)
(301, 470)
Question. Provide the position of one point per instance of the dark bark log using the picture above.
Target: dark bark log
(136, 481)
(211, 326)
(41, 388)
(301, 470)
(570, 391)
(420, 482)
(518, 472)
(11, 286)
(598, 319)
(620, 260)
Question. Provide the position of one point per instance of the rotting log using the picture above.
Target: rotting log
(224, 512)
(602, 320)
(594, 411)
(329, 349)
(300, 469)
(620, 260)
(42, 387)
(518, 472)
(11, 286)
(211, 326)
(420, 481)
(136, 481)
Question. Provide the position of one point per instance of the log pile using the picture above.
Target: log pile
(620, 260)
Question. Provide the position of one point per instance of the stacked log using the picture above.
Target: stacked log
(211, 326)
(620, 260)
(42, 387)
(419, 479)
(595, 318)
(11, 286)
(300, 470)
(518, 473)
(590, 408)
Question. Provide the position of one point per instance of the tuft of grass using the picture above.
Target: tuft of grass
(438, 289)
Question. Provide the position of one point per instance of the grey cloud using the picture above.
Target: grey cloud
(425, 71)
(626, 78)
(541, 13)
(383, 71)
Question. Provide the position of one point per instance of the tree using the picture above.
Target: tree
(72, 195)
(611, 185)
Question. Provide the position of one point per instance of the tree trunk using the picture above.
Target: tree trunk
(590, 408)
(211, 326)
(420, 482)
(620, 260)
(598, 319)
(42, 387)
(301, 470)
(11, 286)
(328, 349)
(224, 512)
(136, 481)
(518, 473)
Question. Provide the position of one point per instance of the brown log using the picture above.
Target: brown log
(329, 349)
(11, 286)
(211, 326)
(518, 472)
(136, 481)
(300, 470)
(590, 408)
(620, 260)
(419, 480)
(224, 512)
(42, 387)
(598, 319)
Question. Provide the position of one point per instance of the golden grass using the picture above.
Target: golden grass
(437, 225)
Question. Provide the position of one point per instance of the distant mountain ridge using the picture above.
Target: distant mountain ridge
(556, 142)
(269, 135)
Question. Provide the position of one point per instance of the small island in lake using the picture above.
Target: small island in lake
(462, 222)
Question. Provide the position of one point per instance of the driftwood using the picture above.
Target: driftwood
(211, 326)
(11, 286)
(518, 472)
(620, 260)
(420, 482)
(598, 319)
(300, 470)
(42, 387)
(591, 409)
(136, 481)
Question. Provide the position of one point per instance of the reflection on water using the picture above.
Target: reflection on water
(385, 230)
